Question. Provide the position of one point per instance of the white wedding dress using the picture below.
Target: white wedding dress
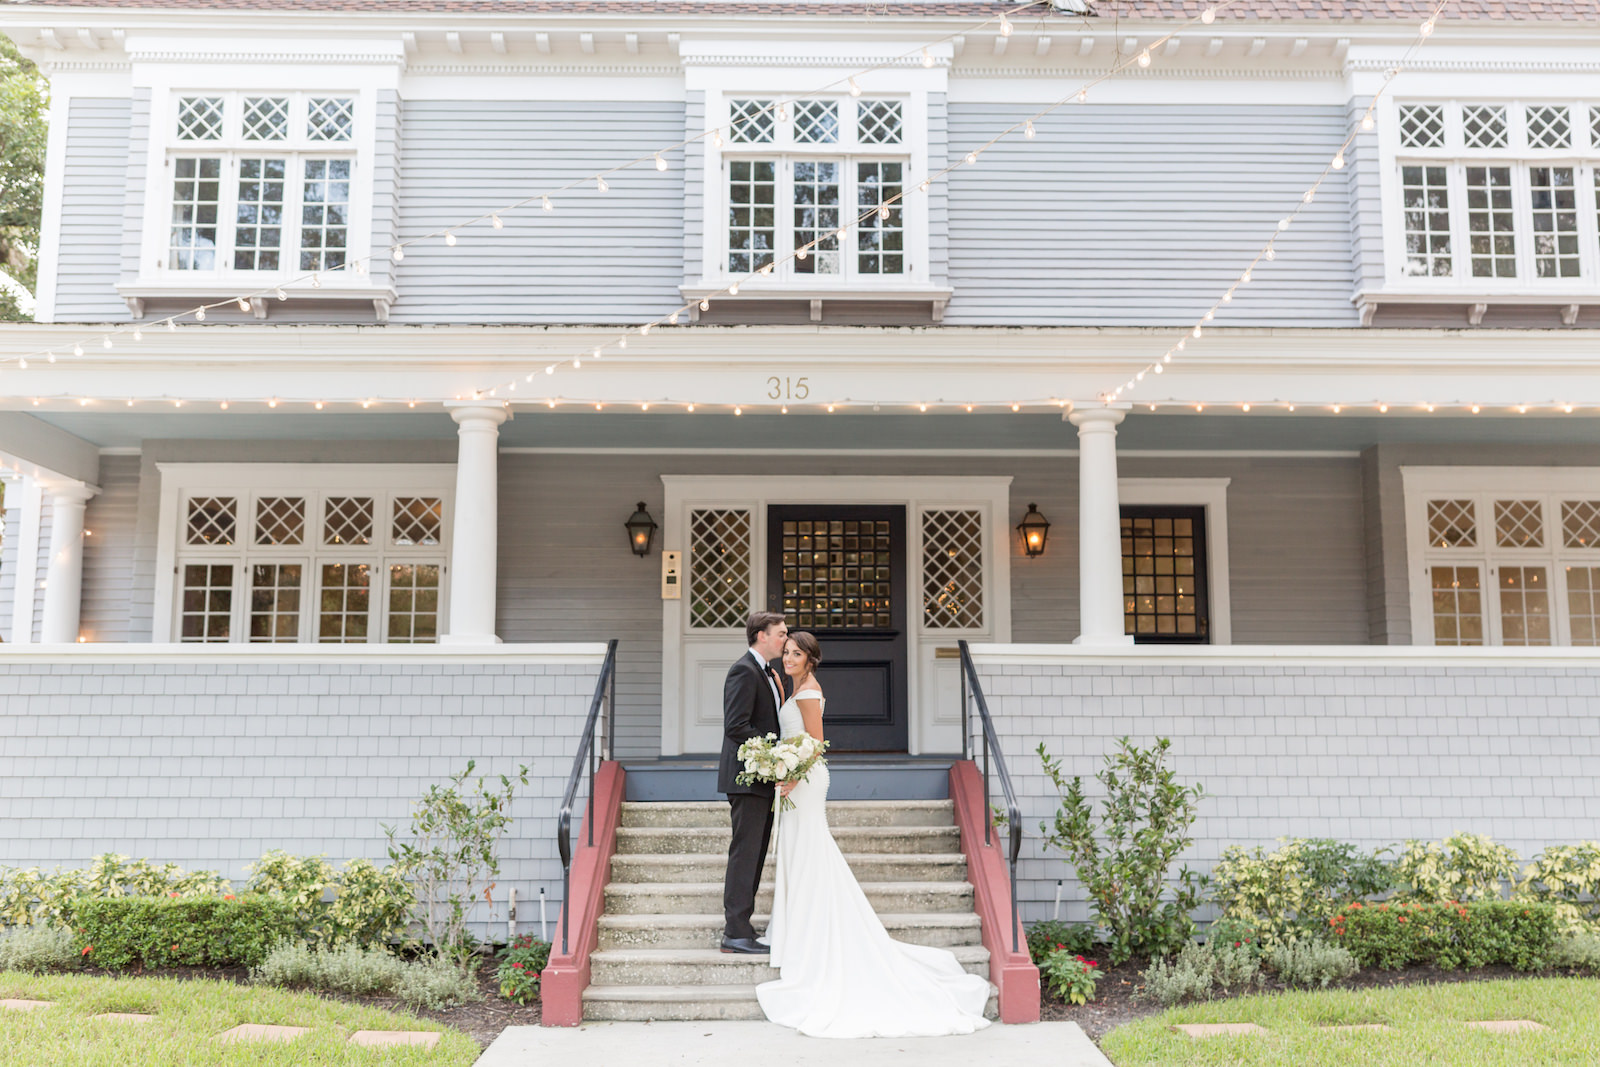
(841, 973)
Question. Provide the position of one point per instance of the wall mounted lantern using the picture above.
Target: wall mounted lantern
(641, 531)
(1034, 529)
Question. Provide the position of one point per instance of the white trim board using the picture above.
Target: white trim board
(1211, 494)
(1374, 657)
(574, 654)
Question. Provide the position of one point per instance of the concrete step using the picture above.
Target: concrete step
(714, 813)
(666, 1003)
(705, 840)
(867, 867)
(711, 967)
(705, 898)
(944, 929)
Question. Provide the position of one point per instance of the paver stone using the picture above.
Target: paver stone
(25, 1005)
(263, 1032)
(380, 1038)
(1218, 1029)
(124, 1016)
(1507, 1026)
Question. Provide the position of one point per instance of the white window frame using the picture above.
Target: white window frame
(1212, 495)
(315, 482)
(1583, 157)
(1483, 485)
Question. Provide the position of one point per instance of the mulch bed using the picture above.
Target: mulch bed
(1116, 1001)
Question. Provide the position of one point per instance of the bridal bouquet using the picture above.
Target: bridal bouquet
(767, 759)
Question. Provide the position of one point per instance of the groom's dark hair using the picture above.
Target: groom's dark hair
(757, 623)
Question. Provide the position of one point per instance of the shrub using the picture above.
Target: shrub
(1242, 935)
(1311, 963)
(38, 948)
(175, 930)
(437, 983)
(1466, 867)
(1451, 935)
(369, 905)
(1287, 894)
(1048, 935)
(1198, 969)
(1069, 976)
(1123, 859)
(29, 896)
(1577, 951)
(520, 969)
(345, 969)
(1568, 877)
(451, 851)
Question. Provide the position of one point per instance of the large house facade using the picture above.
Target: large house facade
(828, 294)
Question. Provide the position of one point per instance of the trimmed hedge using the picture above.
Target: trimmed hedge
(1452, 935)
(199, 931)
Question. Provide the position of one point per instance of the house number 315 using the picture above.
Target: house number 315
(788, 388)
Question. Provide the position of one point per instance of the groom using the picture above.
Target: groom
(750, 700)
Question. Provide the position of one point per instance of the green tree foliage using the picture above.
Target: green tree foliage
(24, 104)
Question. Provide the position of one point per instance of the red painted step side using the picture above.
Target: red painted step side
(565, 977)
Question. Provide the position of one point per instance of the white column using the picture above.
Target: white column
(63, 576)
(1099, 528)
(475, 538)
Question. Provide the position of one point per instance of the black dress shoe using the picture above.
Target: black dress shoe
(744, 945)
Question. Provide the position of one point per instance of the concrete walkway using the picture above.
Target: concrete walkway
(740, 1044)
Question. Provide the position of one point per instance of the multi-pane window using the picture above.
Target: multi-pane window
(325, 566)
(1164, 575)
(1513, 568)
(838, 573)
(1508, 191)
(260, 182)
(720, 556)
(815, 187)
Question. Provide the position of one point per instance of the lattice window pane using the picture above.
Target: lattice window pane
(200, 118)
(751, 121)
(347, 520)
(206, 611)
(1457, 605)
(1594, 129)
(330, 118)
(1555, 222)
(1452, 524)
(837, 573)
(752, 214)
(325, 214)
(1549, 127)
(1426, 201)
(418, 520)
(1422, 126)
(196, 204)
(879, 122)
(280, 520)
(816, 122)
(952, 570)
(258, 229)
(1583, 604)
(1580, 523)
(816, 217)
(275, 601)
(880, 241)
(212, 520)
(345, 604)
(1519, 523)
(1524, 606)
(719, 568)
(1485, 126)
(266, 118)
(1491, 222)
(1162, 576)
(413, 602)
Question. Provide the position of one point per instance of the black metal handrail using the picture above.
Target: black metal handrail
(972, 695)
(605, 698)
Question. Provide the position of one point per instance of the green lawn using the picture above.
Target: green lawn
(188, 1018)
(1426, 1021)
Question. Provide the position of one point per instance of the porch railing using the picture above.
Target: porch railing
(972, 697)
(597, 728)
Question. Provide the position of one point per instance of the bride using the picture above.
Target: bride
(841, 974)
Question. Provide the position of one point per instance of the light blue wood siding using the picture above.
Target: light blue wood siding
(1143, 214)
(108, 551)
(599, 257)
(938, 193)
(134, 183)
(10, 531)
(93, 200)
(1366, 202)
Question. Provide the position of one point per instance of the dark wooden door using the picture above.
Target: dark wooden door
(839, 571)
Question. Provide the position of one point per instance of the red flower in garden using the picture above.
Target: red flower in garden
(172, 894)
(86, 950)
(518, 966)
(1402, 918)
(228, 896)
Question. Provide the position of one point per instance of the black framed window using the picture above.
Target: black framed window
(1164, 591)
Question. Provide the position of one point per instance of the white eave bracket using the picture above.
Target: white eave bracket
(1474, 305)
(139, 296)
(936, 297)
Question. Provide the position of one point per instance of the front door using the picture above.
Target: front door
(839, 571)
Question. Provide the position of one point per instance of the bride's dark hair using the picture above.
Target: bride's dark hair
(807, 644)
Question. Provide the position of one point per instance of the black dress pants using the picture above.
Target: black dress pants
(747, 852)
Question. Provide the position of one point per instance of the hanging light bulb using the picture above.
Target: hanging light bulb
(397, 253)
(1244, 407)
(1144, 58)
(1167, 358)
(1426, 29)
(272, 403)
(1476, 409)
(883, 211)
(644, 331)
(1227, 297)
(926, 182)
(1567, 408)
(1208, 16)
(497, 222)
(622, 342)
(1197, 330)
(972, 157)
(316, 281)
(1210, 314)
(544, 202)
(318, 405)
(1016, 407)
(224, 405)
(673, 318)
(172, 324)
(105, 342)
(600, 183)
(738, 411)
(1338, 161)
(1027, 129)
(1083, 95)
(766, 268)
(1367, 121)
(358, 266)
(551, 369)
(800, 253)
(1383, 409)
(1283, 223)
(1005, 25)
(733, 290)
(199, 314)
(1337, 408)
(138, 334)
(705, 305)
(1159, 368)
(661, 164)
(22, 363)
(927, 58)
(244, 305)
(1199, 407)
(1291, 407)
(576, 362)
(1271, 253)
(77, 350)
(855, 89)
(1311, 194)
(716, 137)
(782, 111)
(130, 401)
(449, 238)
(1245, 278)
(691, 408)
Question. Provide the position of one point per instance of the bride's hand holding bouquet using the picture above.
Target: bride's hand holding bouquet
(767, 759)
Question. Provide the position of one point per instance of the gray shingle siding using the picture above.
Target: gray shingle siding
(93, 202)
(1142, 214)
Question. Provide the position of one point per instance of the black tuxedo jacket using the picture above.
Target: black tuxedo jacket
(747, 711)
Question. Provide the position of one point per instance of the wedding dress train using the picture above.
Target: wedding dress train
(841, 973)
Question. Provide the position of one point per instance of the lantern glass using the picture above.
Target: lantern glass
(1034, 529)
(641, 531)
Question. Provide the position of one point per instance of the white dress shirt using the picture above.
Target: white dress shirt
(777, 694)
